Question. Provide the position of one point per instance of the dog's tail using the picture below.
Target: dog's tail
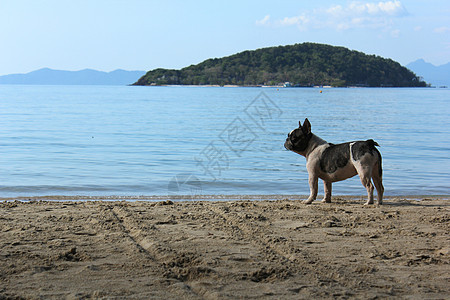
(372, 145)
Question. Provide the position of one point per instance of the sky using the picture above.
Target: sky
(144, 34)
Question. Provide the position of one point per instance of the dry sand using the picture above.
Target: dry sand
(280, 249)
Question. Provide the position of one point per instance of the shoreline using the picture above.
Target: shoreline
(268, 249)
(211, 198)
(284, 87)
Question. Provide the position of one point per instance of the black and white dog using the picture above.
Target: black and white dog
(333, 163)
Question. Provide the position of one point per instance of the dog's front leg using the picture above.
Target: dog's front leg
(327, 191)
(313, 187)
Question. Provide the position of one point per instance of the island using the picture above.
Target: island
(299, 65)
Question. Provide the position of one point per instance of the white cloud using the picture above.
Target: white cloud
(335, 10)
(263, 21)
(393, 8)
(290, 21)
(301, 21)
(356, 14)
(395, 33)
(443, 29)
(390, 8)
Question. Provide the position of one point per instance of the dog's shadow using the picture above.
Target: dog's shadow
(426, 202)
(397, 202)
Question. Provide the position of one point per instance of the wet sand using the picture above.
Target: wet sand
(269, 249)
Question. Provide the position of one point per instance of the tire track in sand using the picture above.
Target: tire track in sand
(257, 229)
(182, 266)
(149, 249)
(208, 246)
(209, 241)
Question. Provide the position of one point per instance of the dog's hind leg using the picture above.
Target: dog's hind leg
(327, 191)
(365, 176)
(378, 182)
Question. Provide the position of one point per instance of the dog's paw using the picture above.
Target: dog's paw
(309, 201)
(324, 200)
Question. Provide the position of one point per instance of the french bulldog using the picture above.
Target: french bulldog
(332, 163)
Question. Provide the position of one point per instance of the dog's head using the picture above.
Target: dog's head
(298, 138)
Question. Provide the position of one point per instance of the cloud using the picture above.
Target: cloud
(395, 33)
(355, 14)
(263, 21)
(443, 29)
(392, 8)
(300, 21)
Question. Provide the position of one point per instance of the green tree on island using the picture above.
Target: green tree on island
(306, 64)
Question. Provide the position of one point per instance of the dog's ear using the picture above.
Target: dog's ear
(306, 128)
(299, 124)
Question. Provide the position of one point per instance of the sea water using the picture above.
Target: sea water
(126, 140)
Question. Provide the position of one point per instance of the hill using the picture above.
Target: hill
(84, 77)
(304, 64)
(435, 75)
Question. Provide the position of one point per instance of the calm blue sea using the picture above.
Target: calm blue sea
(122, 140)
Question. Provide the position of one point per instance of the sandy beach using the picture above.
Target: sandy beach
(269, 249)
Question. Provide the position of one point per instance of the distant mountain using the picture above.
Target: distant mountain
(48, 76)
(435, 75)
(306, 64)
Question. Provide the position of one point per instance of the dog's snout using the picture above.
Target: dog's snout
(287, 144)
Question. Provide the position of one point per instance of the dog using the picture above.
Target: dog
(332, 163)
